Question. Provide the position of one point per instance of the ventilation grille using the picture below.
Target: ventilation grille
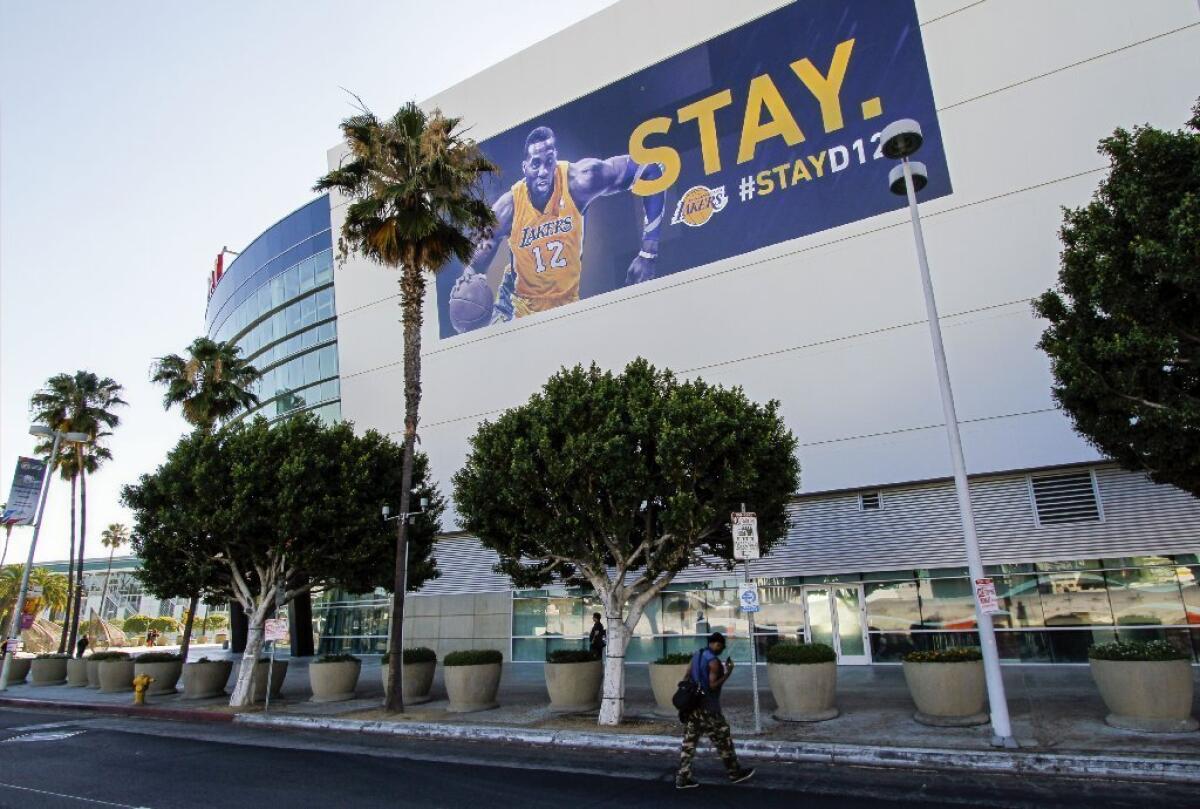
(1065, 498)
(870, 501)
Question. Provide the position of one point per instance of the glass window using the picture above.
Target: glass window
(308, 339)
(324, 304)
(312, 366)
(263, 302)
(328, 361)
(308, 271)
(946, 603)
(1145, 596)
(292, 321)
(277, 293)
(324, 272)
(1020, 600)
(893, 605)
(781, 613)
(1189, 585)
(291, 283)
(1078, 598)
(308, 310)
(326, 331)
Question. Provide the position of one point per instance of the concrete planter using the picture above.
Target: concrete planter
(165, 675)
(18, 670)
(278, 673)
(472, 688)
(1153, 696)
(207, 679)
(77, 672)
(93, 673)
(418, 681)
(333, 682)
(116, 675)
(949, 695)
(804, 692)
(49, 671)
(574, 687)
(664, 679)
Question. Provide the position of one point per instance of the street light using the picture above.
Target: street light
(900, 140)
(42, 431)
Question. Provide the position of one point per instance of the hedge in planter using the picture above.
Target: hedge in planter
(49, 669)
(665, 674)
(803, 679)
(333, 678)
(164, 668)
(472, 679)
(947, 686)
(114, 671)
(419, 665)
(1146, 686)
(573, 680)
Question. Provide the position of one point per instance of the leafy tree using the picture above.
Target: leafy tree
(211, 384)
(1124, 334)
(621, 481)
(416, 202)
(83, 403)
(136, 624)
(112, 537)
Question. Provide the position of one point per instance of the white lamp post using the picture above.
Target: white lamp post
(900, 140)
(15, 633)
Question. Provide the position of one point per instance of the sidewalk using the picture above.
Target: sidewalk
(1058, 719)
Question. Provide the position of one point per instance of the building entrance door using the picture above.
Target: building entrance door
(833, 615)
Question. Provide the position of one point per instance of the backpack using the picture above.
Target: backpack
(689, 693)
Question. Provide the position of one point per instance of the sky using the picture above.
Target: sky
(138, 138)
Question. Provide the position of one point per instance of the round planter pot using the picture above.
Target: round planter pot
(116, 675)
(77, 672)
(93, 673)
(278, 673)
(664, 679)
(948, 695)
(472, 688)
(333, 682)
(1153, 696)
(18, 670)
(574, 687)
(49, 671)
(804, 692)
(418, 681)
(165, 675)
(207, 679)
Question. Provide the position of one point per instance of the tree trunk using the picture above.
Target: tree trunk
(187, 628)
(82, 537)
(412, 288)
(243, 689)
(7, 538)
(63, 646)
(612, 702)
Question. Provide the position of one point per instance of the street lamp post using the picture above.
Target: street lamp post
(18, 608)
(900, 140)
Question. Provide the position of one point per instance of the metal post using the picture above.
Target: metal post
(15, 635)
(1001, 725)
(270, 675)
(753, 655)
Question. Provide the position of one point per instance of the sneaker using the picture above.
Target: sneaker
(740, 776)
(686, 783)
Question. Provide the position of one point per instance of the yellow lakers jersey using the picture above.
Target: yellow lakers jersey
(547, 246)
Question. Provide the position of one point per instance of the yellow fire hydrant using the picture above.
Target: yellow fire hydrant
(140, 684)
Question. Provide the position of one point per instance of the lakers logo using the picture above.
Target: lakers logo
(698, 204)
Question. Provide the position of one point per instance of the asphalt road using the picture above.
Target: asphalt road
(56, 759)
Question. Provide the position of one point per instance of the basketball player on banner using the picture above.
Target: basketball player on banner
(542, 220)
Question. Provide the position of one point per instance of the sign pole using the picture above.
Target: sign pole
(753, 654)
(270, 675)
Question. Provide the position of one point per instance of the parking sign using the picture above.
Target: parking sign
(745, 534)
(748, 598)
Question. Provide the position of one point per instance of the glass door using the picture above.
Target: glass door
(834, 616)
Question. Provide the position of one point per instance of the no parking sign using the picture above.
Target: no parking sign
(748, 597)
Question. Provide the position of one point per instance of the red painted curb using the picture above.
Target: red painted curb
(180, 714)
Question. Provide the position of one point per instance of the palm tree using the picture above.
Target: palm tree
(415, 184)
(10, 584)
(112, 537)
(211, 384)
(83, 402)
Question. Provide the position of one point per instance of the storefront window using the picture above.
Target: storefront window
(1077, 598)
(892, 605)
(1020, 600)
(1147, 596)
(946, 604)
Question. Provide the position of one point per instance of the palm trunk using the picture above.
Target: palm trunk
(82, 539)
(7, 538)
(66, 627)
(107, 573)
(187, 628)
(412, 287)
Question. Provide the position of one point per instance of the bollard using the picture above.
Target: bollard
(140, 684)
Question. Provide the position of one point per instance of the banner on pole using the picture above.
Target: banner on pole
(21, 508)
(985, 592)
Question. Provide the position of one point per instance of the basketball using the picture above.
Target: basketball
(471, 304)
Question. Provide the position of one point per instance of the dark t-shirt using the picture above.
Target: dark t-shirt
(597, 635)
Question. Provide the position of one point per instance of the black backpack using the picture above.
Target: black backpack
(688, 694)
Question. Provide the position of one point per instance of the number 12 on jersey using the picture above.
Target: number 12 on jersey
(556, 259)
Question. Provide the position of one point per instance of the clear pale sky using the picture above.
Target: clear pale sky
(137, 138)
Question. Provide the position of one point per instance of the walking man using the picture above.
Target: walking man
(597, 637)
(709, 673)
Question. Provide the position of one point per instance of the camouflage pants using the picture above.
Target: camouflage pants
(702, 723)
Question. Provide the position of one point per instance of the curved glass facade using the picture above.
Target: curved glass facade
(276, 301)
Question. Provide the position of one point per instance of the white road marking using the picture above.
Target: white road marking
(45, 726)
(48, 736)
(72, 797)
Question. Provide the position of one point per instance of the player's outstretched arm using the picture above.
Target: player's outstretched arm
(485, 249)
(593, 178)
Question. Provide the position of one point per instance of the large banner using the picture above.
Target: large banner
(21, 506)
(766, 133)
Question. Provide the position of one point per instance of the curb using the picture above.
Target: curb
(1131, 768)
(151, 712)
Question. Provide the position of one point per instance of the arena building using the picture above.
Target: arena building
(740, 229)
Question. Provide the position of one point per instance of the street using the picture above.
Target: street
(61, 759)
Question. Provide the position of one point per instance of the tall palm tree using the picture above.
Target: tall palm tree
(10, 584)
(112, 537)
(415, 185)
(83, 402)
(211, 384)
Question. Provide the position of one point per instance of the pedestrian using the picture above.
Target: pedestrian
(81, 646)
(151, 636)
(598, 637)
(709, 673)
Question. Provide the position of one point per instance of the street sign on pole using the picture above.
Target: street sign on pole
(745, 547)
(275, 629)
(985, 593)
(748, 597)
(745, 534)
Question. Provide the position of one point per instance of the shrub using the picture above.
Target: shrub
(674, 659)
(957, 654)
(158, 657)
(164, 623)
(337, 658)
(570, 656)
(473, 657)
(100, 657)
(212, 622)
(1136, 650)
(136, 624)
(418, 654)
(789, 654)
(53, 656)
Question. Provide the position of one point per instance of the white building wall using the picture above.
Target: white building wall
(1025, 89)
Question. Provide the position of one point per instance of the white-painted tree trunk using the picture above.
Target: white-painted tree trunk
(612, 702)
(243, 689)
